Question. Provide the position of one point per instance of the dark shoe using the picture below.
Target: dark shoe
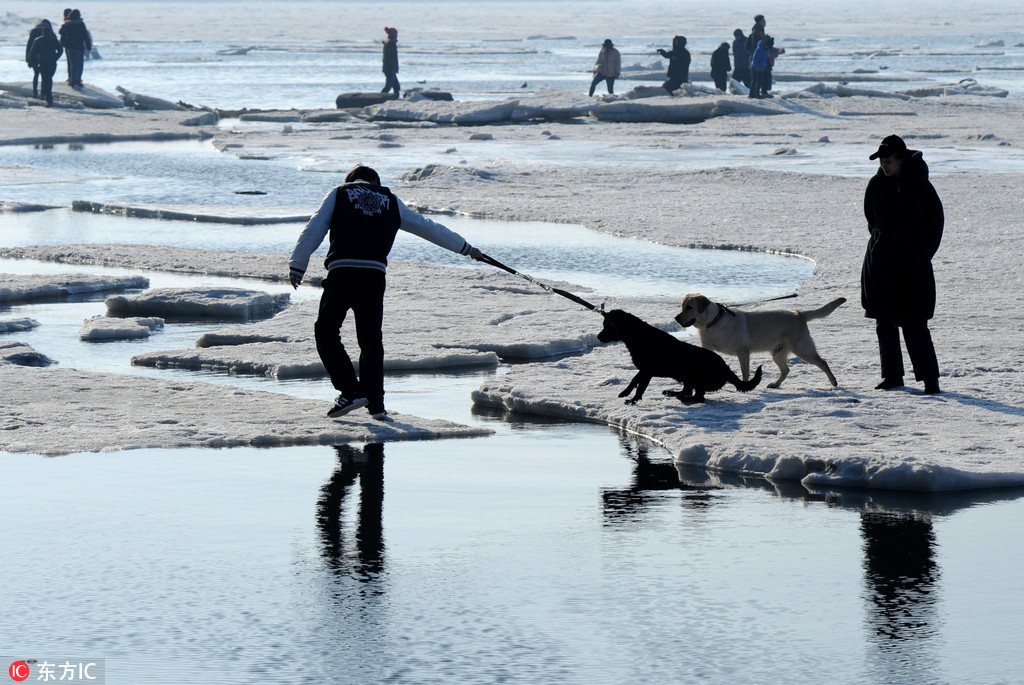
(343, 406)
(931, 387)
(382, 416)
(890, 383)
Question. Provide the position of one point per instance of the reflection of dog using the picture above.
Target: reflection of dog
(657, 353)
(731, 331)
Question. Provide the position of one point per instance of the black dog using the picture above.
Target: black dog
(657, 353)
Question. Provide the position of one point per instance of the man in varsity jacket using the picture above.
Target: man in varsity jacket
(362, 218)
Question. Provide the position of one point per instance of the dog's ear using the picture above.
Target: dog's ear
(702, 303)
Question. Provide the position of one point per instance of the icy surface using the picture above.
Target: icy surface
(15, 325)
(101, 328)
(20, 354)
(191, 304)
(57, 287)
(61, 411)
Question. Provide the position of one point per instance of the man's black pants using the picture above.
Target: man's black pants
(362, 292)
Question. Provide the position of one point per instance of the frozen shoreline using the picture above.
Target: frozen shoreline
(969, 437)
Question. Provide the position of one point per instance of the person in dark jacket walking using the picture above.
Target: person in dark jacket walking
(897, 284)
(678, 64)
(36, 31)
(390, 67)
(75, 39)
(43, 56)
(720, 67)
(740, 58)
(361, 218)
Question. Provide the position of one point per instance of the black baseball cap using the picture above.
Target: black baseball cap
(890, 146)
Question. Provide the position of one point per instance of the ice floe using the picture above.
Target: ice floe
(184, 214)
(199, 304)
(807, 432)
(53, 411)
(20, 354)
(19, 288)
(104, 328)
(17, 325)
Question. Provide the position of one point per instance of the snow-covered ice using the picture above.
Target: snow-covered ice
(105, 328)
(15, 325)
(21, 288)
(198, 304)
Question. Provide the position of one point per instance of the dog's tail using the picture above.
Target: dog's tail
(746, 386)
(821, 312)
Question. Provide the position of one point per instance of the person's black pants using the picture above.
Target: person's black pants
(76, 63)
(362, 292)
(391, 83)
(46, 72)
(601, 77)
(919, 346)
(35, 81)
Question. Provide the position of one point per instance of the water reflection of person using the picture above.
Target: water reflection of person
(900, 575)
(364, 561)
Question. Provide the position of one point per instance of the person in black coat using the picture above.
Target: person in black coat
(77, 41)
(740, 58)
(905, 219)
(678, 64)
(43, 56)
(720, 66)
(36, 31)
(390, 62)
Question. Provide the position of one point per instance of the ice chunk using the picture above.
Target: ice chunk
(197, 304)
(20, 288)
(16, 325)
(20, 354)
(109, 328)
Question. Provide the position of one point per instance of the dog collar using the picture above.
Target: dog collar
(722, 309)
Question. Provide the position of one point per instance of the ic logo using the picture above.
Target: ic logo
(18, 671)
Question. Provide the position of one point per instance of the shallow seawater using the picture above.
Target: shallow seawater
(547, 553)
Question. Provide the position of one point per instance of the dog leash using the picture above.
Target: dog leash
(558, 291)
(757, 302)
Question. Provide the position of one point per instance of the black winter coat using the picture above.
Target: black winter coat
(74, 35)
(720, 60)
(390, 57)
(905, 219)
(678, 65)
(45, 50)
(32, 35)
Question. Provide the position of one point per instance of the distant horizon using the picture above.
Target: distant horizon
(502, 19)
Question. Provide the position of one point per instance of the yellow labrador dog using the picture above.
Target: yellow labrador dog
(731, 331)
